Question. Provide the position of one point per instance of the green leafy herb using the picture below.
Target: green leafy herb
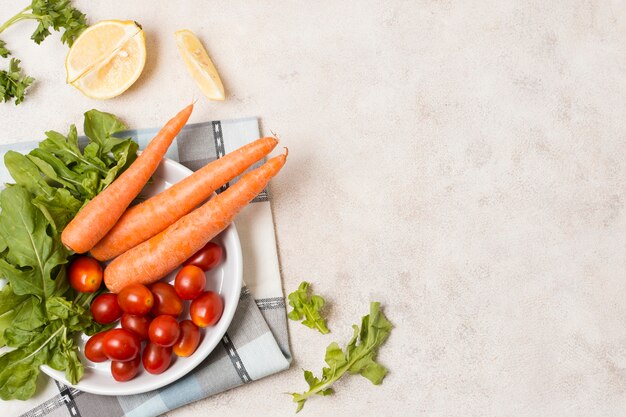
(40, 315)
(358, 358)
(4, 52)
(51, 14)
(58, 15)
(307, 308)
(13, 84)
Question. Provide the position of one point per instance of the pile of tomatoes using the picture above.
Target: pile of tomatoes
(149, 314)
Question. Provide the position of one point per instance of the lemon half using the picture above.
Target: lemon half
(199, 64)
(107, 58)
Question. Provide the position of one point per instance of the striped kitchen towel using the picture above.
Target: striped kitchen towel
(256, 343)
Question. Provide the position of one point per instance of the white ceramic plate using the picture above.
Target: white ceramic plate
(226, 279)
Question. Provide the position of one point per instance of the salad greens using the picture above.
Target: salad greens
(61, 177)
(49, 14)
(307, 308)
(358, 358)
(41, 316)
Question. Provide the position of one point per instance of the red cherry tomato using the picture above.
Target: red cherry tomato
(166, 301)
(207, 309)
(85, 274)
(190, 282)
(136, 324)
(135, 299)
(156, 359)
(164, 331)
(105, 308)
(94, 348)
(206, 258)
(125, 371)
(189, 339)
(121, 345)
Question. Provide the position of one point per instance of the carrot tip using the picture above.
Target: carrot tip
(286, 151)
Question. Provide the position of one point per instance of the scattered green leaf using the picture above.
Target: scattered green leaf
(358, 358)
(307, 308)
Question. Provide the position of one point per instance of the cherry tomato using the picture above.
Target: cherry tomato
(156, 359)
(121, 345)
(135, 299)
(85, 274)
(190, 282)
(164, 331)
(206, 258)
(207, 309)
(94, 348)
(136, 324)
(166, 301)
(189, 339)
(125, 371)
(105, 308)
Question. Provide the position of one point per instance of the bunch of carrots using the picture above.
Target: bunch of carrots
(151, 239)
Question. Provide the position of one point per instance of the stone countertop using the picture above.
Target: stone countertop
(461, 162)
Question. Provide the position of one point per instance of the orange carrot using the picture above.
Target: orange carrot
(100, 214)
(155, 258)
(139, 223)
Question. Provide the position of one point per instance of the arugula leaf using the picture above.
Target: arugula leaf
(307, 308)
(358, 358)
(54, 345)
(125, 154)
(13, 84)
(100, 128)
(33, 255)
(19, 368)
(60, 209)
(68, 151)
(26, 173)
(55, 170)
(30, 315)
(10, 306)
(117, 153)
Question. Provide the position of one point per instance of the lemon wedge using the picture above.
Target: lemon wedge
(107, 58)
(199, 64)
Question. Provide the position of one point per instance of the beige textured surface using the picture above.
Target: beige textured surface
(462, 162)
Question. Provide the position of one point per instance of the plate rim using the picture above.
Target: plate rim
(162, 380)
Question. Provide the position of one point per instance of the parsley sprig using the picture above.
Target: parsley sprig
(58, 15)
(13, 84)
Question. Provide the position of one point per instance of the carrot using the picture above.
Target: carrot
(141, 222)
(155, 258)
(100, 214)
